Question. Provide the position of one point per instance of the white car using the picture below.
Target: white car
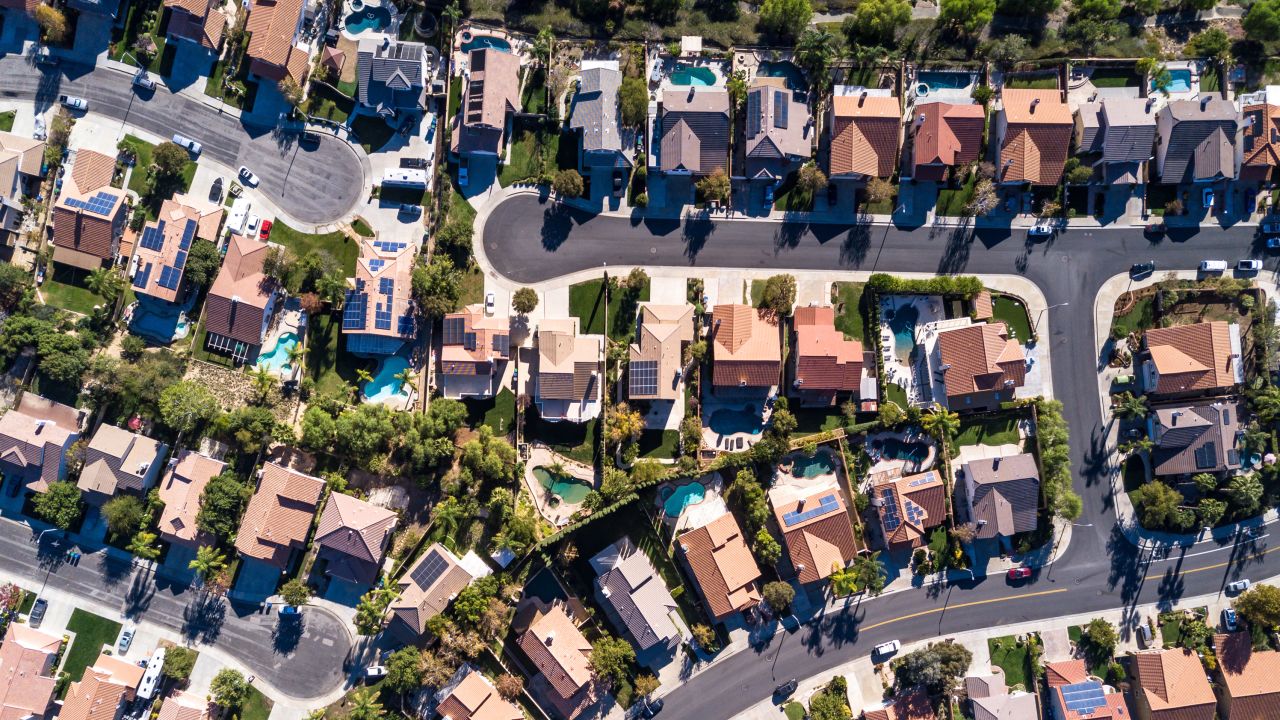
(884, 650)
(1248, 266)
(373, 672)
(74, 103)
(192, 146)
(489, 302)
(144, 81)
(247, 177)
(1041, 229)
(126, 639)
(1213, 266)
(251, 226)
(1238, 586)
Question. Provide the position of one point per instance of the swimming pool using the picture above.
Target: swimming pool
(811, 467)
(384, 385)
(370, 18)
(277, 360)
(568, 489)
(784, 69)
(941, 80)
(686, 75)
(480, 42)
(1180, 80)
(903, 325)
(727, 421)
(158, 321)
(675, 500)
(898, 450)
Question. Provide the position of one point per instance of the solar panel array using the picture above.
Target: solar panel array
(915, 513)
(389, 246)
(153, 237)
(1083, 697)
(382, 311)
(825, 505)
(469, 340)
(406, 324)
(429, 570)
(1207, 456)
(386, 286)
(926, 478)
(780, 109)
(142, 275)
(376, 265)
(502, 344)
(353, 313)
(890, 509)
(454, 327)
(644, 377)
(169, 277)
(101, 203)
(753, 114)
(188, 234)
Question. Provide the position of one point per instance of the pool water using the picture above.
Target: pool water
(1180, 81)
(370, 18)
(159, 321)
(942, 80)
(784, 69)
(903, 325)
(727, 421)
(898, 450)
(277, 360)
(481, 42)
(384, 385)
(811, 467)
(699, 76)
(568, 489)
(677, 499)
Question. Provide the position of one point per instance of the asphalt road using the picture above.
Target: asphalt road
(305, 660)
(1100, 569)
(315, 185)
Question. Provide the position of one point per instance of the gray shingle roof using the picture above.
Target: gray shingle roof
(1188, 155)
(1006, 494)
(695, 130)
(595, 110)
(1129, 130)
(1196, 438)
(391, 74)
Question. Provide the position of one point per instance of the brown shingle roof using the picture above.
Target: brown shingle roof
(909, 506)
(416, 603)
(1174, 686)
(722, 566)
(1192, 357)
(1006, 494)
(279, 515)
(568, 363)
(241, 293)
(865, 132)
(747, 349)
(1037, 138)
(180, 490)
(354, 527)
(662, 332)
(81, 237)
(949, 135)
(825, 360)
(1249, 676)
(492, 90)
(558, 649)
(979, 358)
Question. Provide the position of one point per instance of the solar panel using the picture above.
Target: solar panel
(429, 570)
(142, 275)
(382, 316)
(890, 510)
(753, 114)
(181, 260)
(169, 277)
(188, 233)
(1226, 416)
(825, 505)
(926, 478)
(644, 377)
(353, 313)
(153, 237)
(469, 340)
(1083, 697)
(101, 203)
(74, 202)
(1207, 456)
(453, 329)
(376, 265)
(406, 325)
(502, 345)
(388, 246)
(780, 109)
(386, 286)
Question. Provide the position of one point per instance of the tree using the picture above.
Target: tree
(624, 424)
(372, 608)
(404, 670)
(968, 16)
(524, 300)
(1262, 22)
(703, 635)
(778, 295)
(1205, 482)
(364, 705)
(208, 562)
(509, 686)
(1097, 10)
(295, 593)
(144, 546)
(107, 282)
(766, 547)
(879, 190)
(1100, 639)
(941, 424)
(291, 91)
(1260, 605)
(178, 662)
(816, 52)
(785, 18)
(1003, 51)
(123, 514)
(1245, 493)
(170, 159)
(869, 573)
(810, 179)
(229, 688)
(936, 667)
(610, 657)
(543, 44)
(1029, 7)
(829, 705)
(1130, 407)
(437, 286)
(278, 264)
(1213, 42)
(779, 595)
(63, 358)
(716, 187)
(203, 262)
(1158, 505)
(1080, 175)
(984, 198)
(567, 183)
(15, 284)
(186, 405)
(646, 685)
(633, 98)
(1211, 511)
(220, 506)
(59, 505)
(736, 86)
(875, 21)
(52, 22)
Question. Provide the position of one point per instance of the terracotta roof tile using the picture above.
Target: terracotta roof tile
(558, 649)
(27, 664)
(909, 506)
(180, 490)
(1249, 676)
(279, 515)
(1037, 138)
(825, 360)
(1174, 686)
(905, 706)
(949, 136)
(1192, 357)
(865, 134)
(722, 566)
(980, 358)
(746, 347)
(241, 293)
(817, 544)
(474, 698)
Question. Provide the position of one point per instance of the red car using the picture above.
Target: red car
(265, 233)
(1019, 573)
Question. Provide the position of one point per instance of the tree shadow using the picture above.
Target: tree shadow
(114, 571)
(789, 233)
(698, 227)
(202, 619)
(955, 256)
(287, 633)
(138, 598)
(856, 244)
(556, 226)
(1126, 569)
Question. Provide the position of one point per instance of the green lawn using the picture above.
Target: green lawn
(337, 244)
(1014, 314)
(534, 97)
(1139, 317)
(6, 120)
(1012, 657)
(138, 179)
(790, 197)
(65, 287)
(256, 706)
(993, 431)
(659, 443)
(1035, 82)
(1115, 77)
(850, 319)
(328, 103)
(498, 412)
(794, 711)
(122, 47)
(91, 633)
(586, 302)
(328, 361)
(952, 201)
(372, 131)
(1074, 633)
(361, 227)
(531, 154)
(883, 207)
(472, 287)
(1171, 626)
(576, 441)
(28, 602)
(895, 394)
(816, 420)
(1209, 81)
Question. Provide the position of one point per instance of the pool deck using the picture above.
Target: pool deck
(729, 443)
(460, 59)
(393, 25)
(287, 321)
(749, 61)
(896, 370)
(720, 68)
(786, 479)
(542, 456)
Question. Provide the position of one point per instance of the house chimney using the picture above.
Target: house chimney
(862, 98)
(1151, 102)
(551, 636)
(995, 464)
(1034, 103)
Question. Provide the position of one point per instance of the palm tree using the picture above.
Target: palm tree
(941, 424)
(365, 706)
(1130, 406)
(363, 377)
(1266, 404)
(407, 380)
(452, 13)
(869, 573)
(143, 546)
(296, 355)
(107, 283)
(816, 51)
(447, 516)
(543, 44)
(263, 382)
(209, 561)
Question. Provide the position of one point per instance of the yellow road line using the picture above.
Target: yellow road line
(1251, 556)
(958, 606)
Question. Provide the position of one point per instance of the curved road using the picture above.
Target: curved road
(1100, 570)
(314, 185)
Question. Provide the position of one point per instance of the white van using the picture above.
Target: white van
(1213, 266)
(191, 146)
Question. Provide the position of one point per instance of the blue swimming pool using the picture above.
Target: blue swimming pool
(1180, 81)
(568, 488)
(727, 421)
(784, 69)
(384, 386)
(675, 500)
(687, 75)
(370, 18)
(903, 325)
(915, 452)
(276, 360)
(480, 42)
(941, 80)
(159, 321)
(811, 467)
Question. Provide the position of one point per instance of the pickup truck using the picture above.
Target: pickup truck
(73, 102)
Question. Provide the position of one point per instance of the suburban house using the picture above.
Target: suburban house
(199, 21)
(656, 367)
(427, 587)
(722, 567)
(943, 136)
(1002, 494)
(20, 162)
(1122, 133)
(378, 316)
(906, 705)
(828, 367)
(1199, 359)
(160, 257)
(1172, 686)
(559, 653)
(352, 538)
(595, 117)
(240, 302)
(490, 99)
(475, 349)
(746, 349)
(186, 705)
(568, 385)
(909, 507)
(780, 133)
(34, 439)
(980, 364)
(815, 529)
(89, 215)
(866, 130)
(1248, 677)
(392, 75)
(102, 691)
(1033, 133)
(470, 696)
(1260, 138)
(990, 699)
(1197, 140)
(694, 135)
(181, 488)
(1196, 438)
(275, 48)
(638, 603)
(1072, 694)
(118, 460)
(28, 665)
(277, 521)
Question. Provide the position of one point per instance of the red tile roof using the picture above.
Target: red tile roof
(817, 545)
(1037, 138)
(979, 358)
(558, 649)
(1173, 685)
(747, 350)
(948, 136)
(910, 506)
(1192, 357)
(241, 293)
(722, 565)
(1249, 676)
(272, 26)
(279, 515)
(825, 360)
(865, 134)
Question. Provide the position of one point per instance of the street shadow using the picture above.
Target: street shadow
(1172, 585)
(789, 233)
(202, 619)
(1125, 576)
(138, 598)
(114, 571)
(287, 633)
(955, 256)
(698, 227)
(855, 245)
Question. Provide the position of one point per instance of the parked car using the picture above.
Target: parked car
(410, 209)
(490, 301)
(413, 162)
(1271, 227)
(74, 103)
(310, 139)
(1273, 243)
(1155, 229)
(143, 80)
(1229, 620)
(373, 672)
(1213, 266)
(192, 146)
(247, 177)
(1144, 634)
(886, 650)
(1248, 266)
(126, 639)
(1207, 198)
(650, 708)
(265, 232)
(785, 690)
(37, 612)
(251, 226)
(1019, 573)
(1041, 229)
(1143, 269)
(1238, 586)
